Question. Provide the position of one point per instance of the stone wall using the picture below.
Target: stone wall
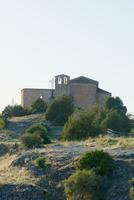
(28, 96)
(84, 94)
(102, 96)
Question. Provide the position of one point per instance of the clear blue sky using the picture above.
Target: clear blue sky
(43, 38)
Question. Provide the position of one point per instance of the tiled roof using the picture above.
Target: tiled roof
(83, 79)
(103, 91)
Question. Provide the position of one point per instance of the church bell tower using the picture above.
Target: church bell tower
(62, 85)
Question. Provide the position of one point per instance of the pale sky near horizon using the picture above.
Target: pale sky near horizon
(42, 38)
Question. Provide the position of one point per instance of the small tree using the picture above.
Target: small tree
(60, 109)
(83, 185)
(39, 106)
(117, 104)
(7, 112)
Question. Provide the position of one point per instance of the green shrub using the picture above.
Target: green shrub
(132, 132)
(131, 181)
(42, 162)
(41, 130)
(2, 123)
(39, 106)
(101, 162)
(118, 121)
(31, 140)
(115, 103)
(83, 185)
(14, 111)
(59, 110)
(112, 121)
(131, 192)
(81, 125)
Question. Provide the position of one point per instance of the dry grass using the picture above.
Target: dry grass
(31, 117)
(15, 175)
(104, 142)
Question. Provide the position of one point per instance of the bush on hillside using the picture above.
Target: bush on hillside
(39, 106)
(82, 124)
(42, 162)
(41, 130)
(96, 120)
(101, 162)
(83, 185)
(14, 111)
(59, 110)
(112, 121)
(2, 123)
(31, 140)
(115, 104)
(131, 192)
(131, 132)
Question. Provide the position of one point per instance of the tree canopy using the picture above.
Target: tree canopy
(39, 106)
(59, 110)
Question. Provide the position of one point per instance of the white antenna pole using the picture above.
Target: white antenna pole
(52, 81)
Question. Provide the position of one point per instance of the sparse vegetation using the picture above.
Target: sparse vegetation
(83, 185)
(58, 160)
(100, 161)
(60, 109)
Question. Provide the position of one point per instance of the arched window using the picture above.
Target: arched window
(65, 80)
(59, 80)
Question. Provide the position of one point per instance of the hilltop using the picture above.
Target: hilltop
(22, 179)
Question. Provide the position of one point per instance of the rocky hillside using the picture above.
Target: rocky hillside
(21, 178)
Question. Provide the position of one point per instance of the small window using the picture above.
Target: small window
(65, 81)
(59, 80)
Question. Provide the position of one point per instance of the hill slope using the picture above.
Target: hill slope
(22, 179)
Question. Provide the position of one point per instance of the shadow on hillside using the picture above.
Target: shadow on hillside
(20, 124)
(21, 192)
(119, 186)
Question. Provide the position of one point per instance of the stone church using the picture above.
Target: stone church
(85, 92)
